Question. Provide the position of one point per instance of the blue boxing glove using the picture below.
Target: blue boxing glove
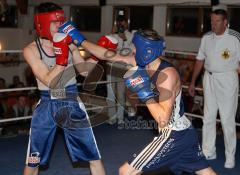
(69, 29)
(138, 81)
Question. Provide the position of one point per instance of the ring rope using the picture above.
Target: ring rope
(35, 88)
(201, 117)
(29, 117)
(180, 52)
(10, 51)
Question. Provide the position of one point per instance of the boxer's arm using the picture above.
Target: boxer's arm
(40, 70)
(100, 52)
(83, 66)
(168, 87)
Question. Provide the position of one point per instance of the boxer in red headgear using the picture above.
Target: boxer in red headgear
(51, 58)
(43, 20)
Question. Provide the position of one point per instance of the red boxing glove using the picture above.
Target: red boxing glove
(61, 49)
(108, 42)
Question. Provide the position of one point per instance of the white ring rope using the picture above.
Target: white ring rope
(10, 51)
(180, 52)
(196, 88)
(79, 84)
(201, 117)
(100, 82)
(29, 117)
(35, 88)
(18, 89)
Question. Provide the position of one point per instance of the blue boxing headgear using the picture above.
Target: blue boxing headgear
(149, 46)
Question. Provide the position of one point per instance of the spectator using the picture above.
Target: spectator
(29, 76)
(21, 108)
(3, 105)
(124, 36)
(2, 83)
(15, 81)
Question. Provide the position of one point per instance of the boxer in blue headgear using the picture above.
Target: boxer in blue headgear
(157, 84)
(149, 46)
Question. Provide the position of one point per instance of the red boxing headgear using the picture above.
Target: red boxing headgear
(42, 22)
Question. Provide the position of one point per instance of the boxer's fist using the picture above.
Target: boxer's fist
(69, 29)
(108, 42)
(61, 49)
(138, 81)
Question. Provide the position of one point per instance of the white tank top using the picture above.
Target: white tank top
(67, 78)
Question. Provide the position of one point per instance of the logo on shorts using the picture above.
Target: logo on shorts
(225, 54)
(200, 152)
(163, 152)
(136, 81)
(34, 158)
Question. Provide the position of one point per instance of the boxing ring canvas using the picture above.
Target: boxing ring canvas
(115, 142)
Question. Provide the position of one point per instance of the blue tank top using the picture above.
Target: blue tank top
(178, 109)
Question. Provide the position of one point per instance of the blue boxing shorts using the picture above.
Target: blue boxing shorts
(178, 150)
(68, 113)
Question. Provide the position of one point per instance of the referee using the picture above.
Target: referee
(219, 53)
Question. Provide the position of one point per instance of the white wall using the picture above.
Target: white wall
(17, 38)
(11, 38)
